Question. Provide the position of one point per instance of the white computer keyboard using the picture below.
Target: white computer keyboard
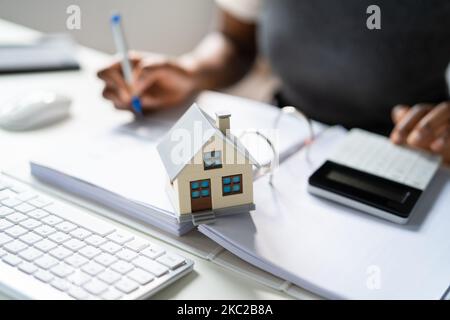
(73, 253)
(376, 155)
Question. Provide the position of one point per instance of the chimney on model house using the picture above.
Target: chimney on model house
(223, 121)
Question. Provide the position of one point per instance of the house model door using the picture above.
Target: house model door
(201, 195)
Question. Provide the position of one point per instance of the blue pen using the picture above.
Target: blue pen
(122, 49)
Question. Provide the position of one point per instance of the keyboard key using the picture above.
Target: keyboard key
(62, 270)
(95, 240)
(76, 260)
(110, 247)
(26, 196)
(122, 267)
(112, 294)
(110, 277)
(90, 223)
(126, 286)
(24, 208)
(80, 233)
(17, 188)
(44, 276)
(126, 254)
(45, 245)
(15, 246)
(16, 217)
(12, 260)
(30, 254)
(5, 194)
(171, 261)
(4, 211)
(89, 252)
(152, 251)
(2, 252)
(30, 224)
(5, 239)
(151, 266)
(59, 237)
(74, 244)
(140, 276)
(38, 214)
(137, 244)
(78, 293)
(16, 231)
(52, 220)
(95, 287)
(11, 202)
(4, 185)
(60, 253)
(44, 230)
(40, 202)
(28, 267)
(105, 259)
(92, 268)
(4, 224)
(46, 262)
(79, 278)
(61, 284)
(66, 226)
(30, 238)
(120, 237)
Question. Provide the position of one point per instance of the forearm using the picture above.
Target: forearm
(218, 62)
(224, 56)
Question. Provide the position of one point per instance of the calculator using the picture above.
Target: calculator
(370, 173)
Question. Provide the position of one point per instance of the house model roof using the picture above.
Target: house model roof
(191, 121)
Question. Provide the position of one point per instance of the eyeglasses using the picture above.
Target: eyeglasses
(290, 111)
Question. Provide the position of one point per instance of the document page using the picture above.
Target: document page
(335, 251)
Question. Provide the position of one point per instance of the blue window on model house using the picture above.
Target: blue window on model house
(200, 189)
(212, 160)
(232, 185)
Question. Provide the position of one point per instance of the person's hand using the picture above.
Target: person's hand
(424, 126)
(158, 82)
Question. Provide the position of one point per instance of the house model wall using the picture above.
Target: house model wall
(218, 176)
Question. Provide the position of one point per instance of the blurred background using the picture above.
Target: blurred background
(168, 26)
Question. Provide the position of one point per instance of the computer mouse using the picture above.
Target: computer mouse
(34, 110)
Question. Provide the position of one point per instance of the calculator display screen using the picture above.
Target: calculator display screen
(383, 190)
(368, 189)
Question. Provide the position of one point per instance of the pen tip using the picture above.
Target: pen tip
(115, 18)
(136, 103)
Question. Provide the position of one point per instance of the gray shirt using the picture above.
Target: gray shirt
(338, 71)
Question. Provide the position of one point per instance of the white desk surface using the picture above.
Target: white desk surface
(89, 112)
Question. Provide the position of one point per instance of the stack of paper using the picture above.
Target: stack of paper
(125, 177)
(121, 169)
(337, 252)
(45, 53)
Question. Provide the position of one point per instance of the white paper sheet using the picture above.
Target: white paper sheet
(120, 167)
(339, 252)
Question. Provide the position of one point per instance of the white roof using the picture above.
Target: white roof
(193, 117)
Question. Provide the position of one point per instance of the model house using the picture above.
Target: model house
(209, 170)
